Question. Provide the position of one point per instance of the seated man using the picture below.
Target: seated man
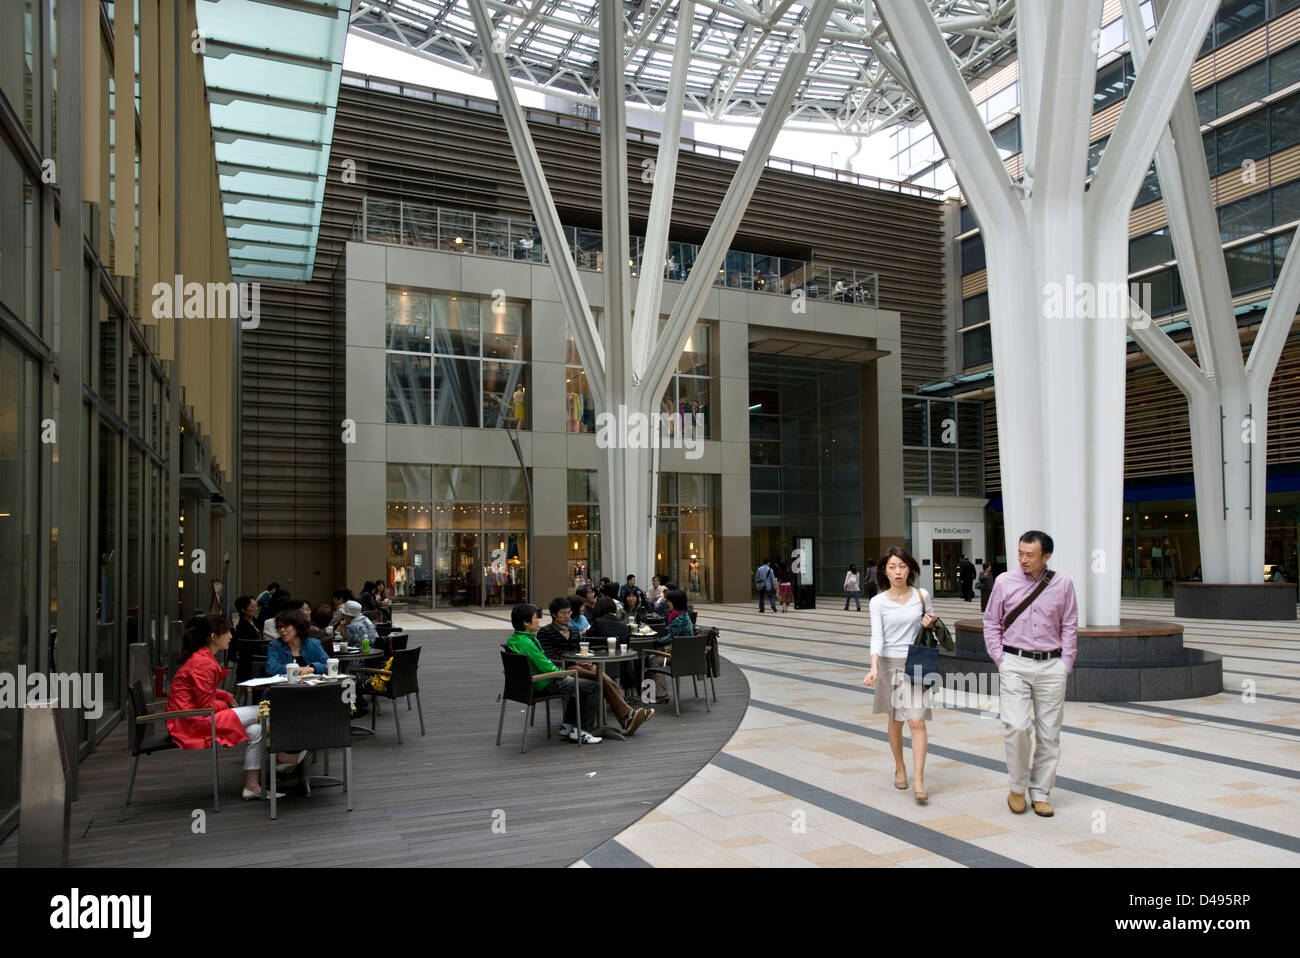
(355, 624)
(560, 637)
(527, 620)
(629, 588)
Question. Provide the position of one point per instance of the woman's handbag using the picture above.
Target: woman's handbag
(922, 662)
(923, 654)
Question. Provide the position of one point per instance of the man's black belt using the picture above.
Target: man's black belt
(1036, 656)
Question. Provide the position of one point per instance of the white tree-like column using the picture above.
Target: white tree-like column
(631, 367)
(1227, 398)
(1057, 256)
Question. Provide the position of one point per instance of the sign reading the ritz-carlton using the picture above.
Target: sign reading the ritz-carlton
(952, 530)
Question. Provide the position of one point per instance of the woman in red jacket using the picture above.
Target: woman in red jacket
(196, 686)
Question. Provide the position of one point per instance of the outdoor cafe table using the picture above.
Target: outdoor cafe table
(600, 657)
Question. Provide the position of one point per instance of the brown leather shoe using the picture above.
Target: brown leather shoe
(1016, 802)
(1044, 809)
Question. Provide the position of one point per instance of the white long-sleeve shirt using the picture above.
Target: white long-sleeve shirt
(894, 627)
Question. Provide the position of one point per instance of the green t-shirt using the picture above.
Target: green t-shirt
(526, 644)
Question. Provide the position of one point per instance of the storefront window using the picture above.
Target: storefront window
(684, 542)
(582, 554)
(478, 551)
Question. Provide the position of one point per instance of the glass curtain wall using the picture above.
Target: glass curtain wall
(688, 395)
(456, 360)
(805, 462)
(19, 428)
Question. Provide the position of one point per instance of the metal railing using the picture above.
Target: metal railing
(504, 237)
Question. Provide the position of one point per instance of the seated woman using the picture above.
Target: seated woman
(294, 645)
(246, 629)
(320, 619)
(679, 623)
(605, 622)
(577, 605)
(196, 686)
(633, 611)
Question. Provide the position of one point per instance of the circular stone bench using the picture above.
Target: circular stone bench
(1139, 660)
(1272, 601)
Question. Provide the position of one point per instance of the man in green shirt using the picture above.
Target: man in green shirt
(527, 619)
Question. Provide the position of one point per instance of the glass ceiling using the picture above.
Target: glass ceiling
(272, 69)
(738, 50)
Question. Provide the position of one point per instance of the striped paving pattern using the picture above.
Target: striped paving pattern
(808, 779)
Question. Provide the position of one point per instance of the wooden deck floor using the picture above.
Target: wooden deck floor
(429, 801)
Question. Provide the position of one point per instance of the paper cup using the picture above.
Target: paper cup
(622, 650)
(291, 672)
(612, 644)
(332, 666)
(584, 647)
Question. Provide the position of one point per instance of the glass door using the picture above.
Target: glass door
(947, 554)
(458, 569)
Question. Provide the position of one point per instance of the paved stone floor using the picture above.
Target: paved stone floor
(807, 779)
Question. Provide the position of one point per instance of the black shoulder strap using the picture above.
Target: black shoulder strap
(1029, 600)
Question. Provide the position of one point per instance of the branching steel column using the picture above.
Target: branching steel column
(645, 319)
(1013, 297)
(572, 296)
(700, 281)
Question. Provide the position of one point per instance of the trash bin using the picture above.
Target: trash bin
(805, 597)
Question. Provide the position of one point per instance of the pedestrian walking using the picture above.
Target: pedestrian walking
(985, 585)
(966, 575)
(898, 613)
(851, 590)
(765, 582)
(785, 585)
(1031, 633)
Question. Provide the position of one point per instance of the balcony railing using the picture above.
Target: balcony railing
(505, 237)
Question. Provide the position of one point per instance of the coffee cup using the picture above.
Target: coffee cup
(332, 666)
(622, 649)
(291, 672)
(584, 648)
(340, 646)
(613, 644)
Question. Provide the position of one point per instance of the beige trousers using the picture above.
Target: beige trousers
(1032, 695)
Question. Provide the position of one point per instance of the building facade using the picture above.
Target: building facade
(116, 425)
(432, 321)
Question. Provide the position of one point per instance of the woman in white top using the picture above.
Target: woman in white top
(898, 613)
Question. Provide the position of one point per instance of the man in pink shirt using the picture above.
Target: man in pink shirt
(1034, 652)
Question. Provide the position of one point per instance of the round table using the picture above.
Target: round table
(600, 657)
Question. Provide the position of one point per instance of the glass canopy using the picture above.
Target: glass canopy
(272, 69)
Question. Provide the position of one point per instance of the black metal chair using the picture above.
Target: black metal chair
(308, 717)
(250, 659)
(141, 741)
(687, 658)
(519, 688)
(401, 681)
(714, 656)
